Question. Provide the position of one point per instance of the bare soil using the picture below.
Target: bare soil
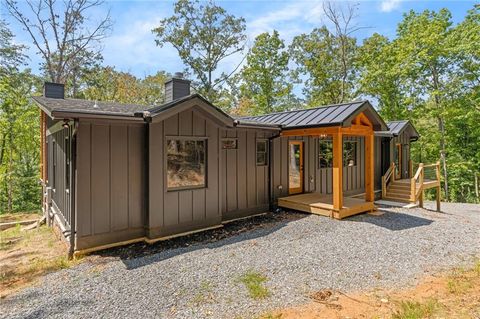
(25, 256)
(453, 294)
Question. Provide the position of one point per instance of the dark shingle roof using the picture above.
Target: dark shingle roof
(87, 106)
(328, 115)
(397, 127)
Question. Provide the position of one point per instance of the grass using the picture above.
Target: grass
(254, 282)
(28, 255)
(204, 294)
(417, 310)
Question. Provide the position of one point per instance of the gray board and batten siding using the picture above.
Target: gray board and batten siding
(110, 182)
(228, 194)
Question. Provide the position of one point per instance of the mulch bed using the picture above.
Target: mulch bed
(228, 230)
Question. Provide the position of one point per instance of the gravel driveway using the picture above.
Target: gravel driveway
(298, 255)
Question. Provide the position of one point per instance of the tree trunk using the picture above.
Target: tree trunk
(476, 185)
(441, 128)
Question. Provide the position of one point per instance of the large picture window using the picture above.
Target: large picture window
(325, 153)
(186, 160)
(262, 152)
(349, 153)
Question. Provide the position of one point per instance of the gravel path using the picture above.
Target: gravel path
(298, 256)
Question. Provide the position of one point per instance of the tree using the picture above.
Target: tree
(204, 36)
(264, 77)
(426, 64)
(11, 55)
(108, 84)
(19, 127)
(379, 77)
(61, 33)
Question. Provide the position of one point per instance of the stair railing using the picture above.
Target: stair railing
(389, 174)
(419, 176)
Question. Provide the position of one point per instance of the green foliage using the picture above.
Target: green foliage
(19, 131)
(319, 57)
(429, 74)
(416, 310)
(254, 282)
(204, 35)
(107, 84)
(264, 78)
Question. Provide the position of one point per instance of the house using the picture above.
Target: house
(118, 173)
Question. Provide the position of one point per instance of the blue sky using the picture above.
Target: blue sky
(131, 45)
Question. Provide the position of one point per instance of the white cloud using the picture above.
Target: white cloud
(289, 20)
(389, 5)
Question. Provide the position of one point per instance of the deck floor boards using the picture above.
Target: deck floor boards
(322, 204)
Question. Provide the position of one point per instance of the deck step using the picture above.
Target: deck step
(399, 192)
(396, 198)
(400, 186)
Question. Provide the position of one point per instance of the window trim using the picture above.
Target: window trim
(355, 142)
(165, 165)
(267, 159)
(320, 140)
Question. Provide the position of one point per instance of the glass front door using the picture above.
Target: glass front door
(295, 167)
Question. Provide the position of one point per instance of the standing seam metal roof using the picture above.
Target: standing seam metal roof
(318, 116)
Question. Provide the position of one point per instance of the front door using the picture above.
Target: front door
(295, 167)
(398, 161)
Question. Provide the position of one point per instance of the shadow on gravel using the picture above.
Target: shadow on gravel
(393, 220)
(57, 307)
(141, 254)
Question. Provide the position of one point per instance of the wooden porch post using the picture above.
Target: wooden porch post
(337, 170)
(369, 168)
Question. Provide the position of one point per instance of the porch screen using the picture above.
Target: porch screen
(186, 163)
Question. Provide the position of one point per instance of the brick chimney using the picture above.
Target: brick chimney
(54, 90)
(176, 87)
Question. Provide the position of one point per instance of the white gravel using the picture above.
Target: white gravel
(298, 257)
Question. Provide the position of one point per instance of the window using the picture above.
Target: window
(262, 153)
(186, 160)
(325, 153)
(229, 143)
(349, 153)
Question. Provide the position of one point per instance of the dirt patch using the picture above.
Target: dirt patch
(17, 217)
(25, 256)
(455, 294)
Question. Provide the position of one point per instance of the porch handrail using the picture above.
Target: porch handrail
(389, 174)
(419, 175)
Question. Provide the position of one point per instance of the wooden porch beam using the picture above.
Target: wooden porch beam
(354, 129)
(338, 170)
(369, 168)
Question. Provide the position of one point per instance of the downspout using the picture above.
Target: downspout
(73, 189)
(146, 151)
(270, 167)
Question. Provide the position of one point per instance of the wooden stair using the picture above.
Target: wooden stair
(399, 190)
(410, 190)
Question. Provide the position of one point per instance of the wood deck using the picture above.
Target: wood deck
(322, 204)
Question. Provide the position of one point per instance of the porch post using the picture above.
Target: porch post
(369, 168)
(338, 170)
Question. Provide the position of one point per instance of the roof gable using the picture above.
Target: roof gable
(396, 128)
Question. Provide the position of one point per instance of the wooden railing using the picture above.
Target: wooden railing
(418, 183)
(389, 175)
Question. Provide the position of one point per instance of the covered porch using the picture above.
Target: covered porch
(336, 204)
